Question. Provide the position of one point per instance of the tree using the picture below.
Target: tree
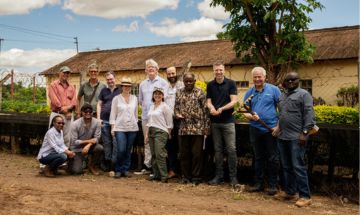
(270, 32)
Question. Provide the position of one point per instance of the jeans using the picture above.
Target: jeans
(124, 142)
(108, 142)
(54, 160)
(224, 135)
(157, 142)
(266, 155)
(295, 172)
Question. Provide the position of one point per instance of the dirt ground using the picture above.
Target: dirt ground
(24, 191)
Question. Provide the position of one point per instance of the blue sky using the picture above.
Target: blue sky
(111, 24)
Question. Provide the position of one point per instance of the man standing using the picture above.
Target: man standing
(90, 90)
(263, 99)
(63, 101)
(295, 120)
(85, 135)
(191, 110)
(221, 98)
(172, 145)
(146, 89)
(103, 114)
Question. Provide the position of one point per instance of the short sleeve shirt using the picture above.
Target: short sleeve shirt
(87, 90)
(220, 96)
(106, 96)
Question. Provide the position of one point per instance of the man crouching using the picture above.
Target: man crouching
(85, 135)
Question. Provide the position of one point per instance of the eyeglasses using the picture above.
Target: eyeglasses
(60, 123)
(87, 111)
(291, 79)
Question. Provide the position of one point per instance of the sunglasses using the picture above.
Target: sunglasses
(291, 79)
(60, 123)
(87, 111)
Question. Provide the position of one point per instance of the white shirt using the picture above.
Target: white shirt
(53, 143)
(160, 117)
(171, 94)
(146, 91)
(123, 115)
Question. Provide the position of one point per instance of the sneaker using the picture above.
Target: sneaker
(216, 181)
(117, 175)
(282, 196)
(171, 174)
(111, 174)
(303, 202)
(256, 188)
(143, 172)
(234, 181)
(184, 181)
(271, 191)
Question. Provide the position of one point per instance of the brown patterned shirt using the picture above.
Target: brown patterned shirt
(192, 106)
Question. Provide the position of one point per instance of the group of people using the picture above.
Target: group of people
(176, 119)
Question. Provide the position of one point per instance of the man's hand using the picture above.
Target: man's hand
(275, 131)
(86, 149)
(303, 139)
(146, 139)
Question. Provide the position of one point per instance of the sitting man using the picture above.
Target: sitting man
(85, 135)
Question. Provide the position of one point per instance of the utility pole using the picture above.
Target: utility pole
(77, 44)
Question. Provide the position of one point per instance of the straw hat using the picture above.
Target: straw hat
(126, 82)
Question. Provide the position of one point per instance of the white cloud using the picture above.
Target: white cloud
(69, 17)
(12, 7)
(134, 26)
(36, 60)
(198, 29)
(212, 12)
(112, 9)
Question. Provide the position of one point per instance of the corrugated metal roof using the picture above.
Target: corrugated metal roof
(331, 43)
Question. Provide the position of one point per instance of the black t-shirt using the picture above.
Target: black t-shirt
(220, 96)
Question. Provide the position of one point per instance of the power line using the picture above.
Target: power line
(33, 41)
(25, 30)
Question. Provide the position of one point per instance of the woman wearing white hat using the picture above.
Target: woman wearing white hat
(124, 126)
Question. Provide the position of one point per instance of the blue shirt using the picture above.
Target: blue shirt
(264, 103)
(106, 97)
(146, 91)
(220, 96)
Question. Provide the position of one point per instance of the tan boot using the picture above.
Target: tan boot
(302, 202)
(92, 167)
(48, 172)
(282, 196)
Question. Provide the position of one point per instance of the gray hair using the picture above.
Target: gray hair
(258, 69)
(151, 62)
(110, 73)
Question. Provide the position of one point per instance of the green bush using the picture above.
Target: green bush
(24, 107)
(336, 115)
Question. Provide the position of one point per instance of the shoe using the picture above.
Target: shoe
(234, 181)
(93, 170)
(171, 174)
(282, 196)
(271, 191)
(184, 181)
(164, 180)
(256, 188)
(153, 179)
(117, 175)
(216, 181)
(143, 172)
(303, 202)
(196, 181)
(126, 175)
(48, 172)
(111, 174)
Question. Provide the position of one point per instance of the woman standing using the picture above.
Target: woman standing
(124, 126)
(159, 127)
(53, 151)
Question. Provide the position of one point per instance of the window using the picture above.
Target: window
(242, 84)
(306, 85)
(135, 90)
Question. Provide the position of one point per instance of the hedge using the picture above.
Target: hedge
(336, 115)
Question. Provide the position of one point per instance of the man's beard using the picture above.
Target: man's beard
(172, 80)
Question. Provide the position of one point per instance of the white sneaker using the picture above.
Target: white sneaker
(143, 172)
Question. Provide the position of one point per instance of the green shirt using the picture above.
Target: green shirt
(87, 90)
